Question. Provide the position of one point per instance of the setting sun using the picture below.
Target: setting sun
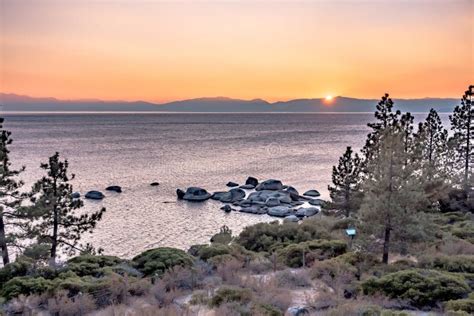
(329, 98)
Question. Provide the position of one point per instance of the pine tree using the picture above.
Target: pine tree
(462, 123)
(60, 225)
(391, 192)
(432, 148)
(386, 118)
(345, 192)
(11, 215)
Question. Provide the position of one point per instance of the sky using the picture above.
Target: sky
(275, 50)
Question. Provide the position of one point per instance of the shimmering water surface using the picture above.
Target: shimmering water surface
(180, 150)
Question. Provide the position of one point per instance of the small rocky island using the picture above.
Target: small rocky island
(270, 197)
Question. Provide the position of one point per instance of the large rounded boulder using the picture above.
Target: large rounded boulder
(196, 194)
(270, 184)
(94, 195)
(312, 193)
(280, 211)
(232, 196)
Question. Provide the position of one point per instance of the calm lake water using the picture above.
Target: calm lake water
(180, 150)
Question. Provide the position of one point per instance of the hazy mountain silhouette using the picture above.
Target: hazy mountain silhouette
(14, 102)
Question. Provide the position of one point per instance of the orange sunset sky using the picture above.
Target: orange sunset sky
(275, 50)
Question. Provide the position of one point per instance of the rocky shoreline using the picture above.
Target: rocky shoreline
(269, 197)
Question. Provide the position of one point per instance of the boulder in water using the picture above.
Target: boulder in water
(180, 193)
(291, 218)
(280, 211)
(227, 208)
(315, 202)
(218, 195)
(232, 184)
(94, 195)
(233, 195)
(76, 195)
(312, 193)
(252, 181)
(307, 211)
(196, 194)
(271, 201)
(247, 186)
(270, 184)
(254, 209)
(114, 188)
(154, 184)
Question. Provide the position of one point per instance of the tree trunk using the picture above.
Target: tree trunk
(3, 242)
(54, 241)
(386, 245)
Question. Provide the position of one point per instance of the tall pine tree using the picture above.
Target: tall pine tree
(60, 224)
(462, 123)
(14, 223)
(345, 192)
(391, 192)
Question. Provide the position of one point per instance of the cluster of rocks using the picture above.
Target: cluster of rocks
(97, 195)
(268, 197)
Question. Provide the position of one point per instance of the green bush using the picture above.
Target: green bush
(292, 255)
(207, 252)
(157, 261)
(92, 265)
(465, 305)
(21, 267)
(343, 223)
(267, 236)
(26, 286)
(459, 263)
(227, 294)
(419, 287)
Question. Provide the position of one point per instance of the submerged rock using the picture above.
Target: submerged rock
(270, 184)
(226, 208)
(251, 181)
(75, 195)
(254, 209)
(114, 188)
(94, 195)
(312, 193)
(232, 184)
(154, 184)
(196, 194)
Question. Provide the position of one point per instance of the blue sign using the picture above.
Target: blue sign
(350, 232)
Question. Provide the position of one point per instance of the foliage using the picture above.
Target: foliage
(269, 236)
(20, 267)
(11, 214)
(460, 263)
(157, 261)
(26, 286)
(92, 265)
(227, 294)
(462, 123)
(465, 305)
(345, 192)
(60, 225)
(292, 255)
(419, 287)
(223, 237)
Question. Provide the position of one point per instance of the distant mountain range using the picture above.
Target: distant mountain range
(13, 102)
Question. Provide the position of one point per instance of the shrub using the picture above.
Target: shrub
(292, 255)
(26, 286)
(63, 304)
(21, 267)
(460, 263)
(465, 305)
(207, 252)
(267, 236)
(288, 278)
(223, 237)
(343, 223)
(157, 261)
(228, 294)
(92, 265)
(419, 287)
